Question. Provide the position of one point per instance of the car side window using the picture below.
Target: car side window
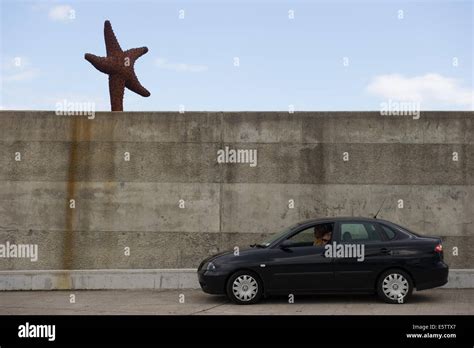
(303, 238)
(316, 235)
(388, 232)
(359, 232)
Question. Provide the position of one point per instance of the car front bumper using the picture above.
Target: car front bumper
(212, 282)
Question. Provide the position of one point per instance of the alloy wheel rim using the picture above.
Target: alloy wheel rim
(245, 288)
(395, 286)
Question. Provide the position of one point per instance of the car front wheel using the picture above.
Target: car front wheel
(244, 287)
(394, 286)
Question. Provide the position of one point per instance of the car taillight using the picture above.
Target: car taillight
(439, 248)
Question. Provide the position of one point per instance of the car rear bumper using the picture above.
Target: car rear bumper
(433, 277)
(212, 282)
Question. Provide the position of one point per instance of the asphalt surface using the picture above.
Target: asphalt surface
(169, 302)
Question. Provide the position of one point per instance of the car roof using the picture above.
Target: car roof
(340, 218)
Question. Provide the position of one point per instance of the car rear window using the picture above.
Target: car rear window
(359, 232)
(390, 233)
(404, 229)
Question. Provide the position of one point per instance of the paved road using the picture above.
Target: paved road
(435, 302)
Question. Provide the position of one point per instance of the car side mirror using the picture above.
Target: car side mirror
(286, 244)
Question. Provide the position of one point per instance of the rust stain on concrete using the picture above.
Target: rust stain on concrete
(80, 131)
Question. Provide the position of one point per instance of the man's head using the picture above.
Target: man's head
(326, 238)
(323, 233)
(318, 231)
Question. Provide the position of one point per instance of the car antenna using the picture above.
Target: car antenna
(375, 216)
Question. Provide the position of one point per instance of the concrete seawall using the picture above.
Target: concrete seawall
(171, 204)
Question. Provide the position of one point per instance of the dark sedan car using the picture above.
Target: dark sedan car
(333, 255)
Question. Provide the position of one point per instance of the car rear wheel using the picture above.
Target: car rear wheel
(394, 286)
(244, 287)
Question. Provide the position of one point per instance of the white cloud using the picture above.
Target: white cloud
(18, 69)
(13, 107)
(430, 88)
(24, 75)
(62, 13)
(40, 101)
(180, 67)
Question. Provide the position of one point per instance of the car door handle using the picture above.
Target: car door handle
(386, 251)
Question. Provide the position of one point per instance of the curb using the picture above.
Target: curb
(99, 279)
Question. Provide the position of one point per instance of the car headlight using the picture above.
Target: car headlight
(210, 267)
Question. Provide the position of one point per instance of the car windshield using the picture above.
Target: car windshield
(278, 235)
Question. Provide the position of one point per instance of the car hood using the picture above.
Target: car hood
(229, 254)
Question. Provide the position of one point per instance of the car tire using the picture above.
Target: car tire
(394, 286)
(244, 287)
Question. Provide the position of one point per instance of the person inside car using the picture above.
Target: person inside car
(326, 238)
(322, 235)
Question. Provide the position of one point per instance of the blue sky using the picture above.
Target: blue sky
(283, 61)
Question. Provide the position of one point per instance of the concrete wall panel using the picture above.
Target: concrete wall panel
(174, 156)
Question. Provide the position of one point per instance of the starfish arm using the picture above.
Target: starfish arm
(120, 73)
(135, 53)
(135, 86)
(111, 44)
(116, 89)
(100, 63)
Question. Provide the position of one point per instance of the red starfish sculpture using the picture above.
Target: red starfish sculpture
(119, 66)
